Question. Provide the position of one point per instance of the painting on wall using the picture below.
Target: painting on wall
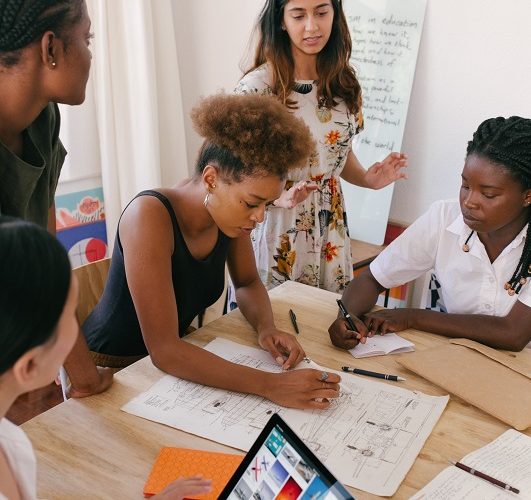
(81, 225)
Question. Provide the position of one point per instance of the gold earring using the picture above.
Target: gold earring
(214, 187)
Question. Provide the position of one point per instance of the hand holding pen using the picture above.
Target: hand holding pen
(347, 331)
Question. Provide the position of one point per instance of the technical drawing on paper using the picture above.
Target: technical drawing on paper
(369, 437)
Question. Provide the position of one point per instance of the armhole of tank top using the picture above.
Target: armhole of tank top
(166, 204)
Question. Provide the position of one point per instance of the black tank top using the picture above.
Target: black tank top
(113, 328)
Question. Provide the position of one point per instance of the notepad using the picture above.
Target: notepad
(379, 345)
(507, 458)
(173, 463)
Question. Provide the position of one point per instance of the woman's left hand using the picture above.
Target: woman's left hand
(388, 320)
(295, 195)
(385, 172)
(282, 346)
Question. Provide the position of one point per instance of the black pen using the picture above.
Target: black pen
(294, 321)
(359, 371)
(347, 316)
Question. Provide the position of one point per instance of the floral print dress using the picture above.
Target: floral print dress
(309, 243)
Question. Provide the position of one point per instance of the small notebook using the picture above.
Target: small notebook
(173, 463)
(507, 458)
(380, 345)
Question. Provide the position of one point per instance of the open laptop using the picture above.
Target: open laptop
(280, 466)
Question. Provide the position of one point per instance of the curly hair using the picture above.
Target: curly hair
(337, 79)
(507, 142)
(250, 134)
(25, 21)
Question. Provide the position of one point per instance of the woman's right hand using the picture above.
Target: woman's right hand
(302, 389)
(343, 337)
(185, 487)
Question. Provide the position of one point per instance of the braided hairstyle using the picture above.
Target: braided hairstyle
(25, 21)
(507, 142)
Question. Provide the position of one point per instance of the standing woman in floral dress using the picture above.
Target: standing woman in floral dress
(302, 57)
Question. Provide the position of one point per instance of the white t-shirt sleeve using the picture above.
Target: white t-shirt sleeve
(413, 253)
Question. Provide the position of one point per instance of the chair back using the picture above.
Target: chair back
(91, 278)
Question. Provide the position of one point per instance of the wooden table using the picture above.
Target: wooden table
(88, 448)
(363, 253)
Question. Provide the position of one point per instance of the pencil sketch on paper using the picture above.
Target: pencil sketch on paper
(369, 437)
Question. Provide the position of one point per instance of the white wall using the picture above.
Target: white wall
(474, 63)
(212, 39)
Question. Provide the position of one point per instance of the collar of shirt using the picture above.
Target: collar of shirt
(459, 228)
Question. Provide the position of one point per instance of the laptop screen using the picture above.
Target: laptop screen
(280, 466)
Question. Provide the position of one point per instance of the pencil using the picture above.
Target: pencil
(484, 476)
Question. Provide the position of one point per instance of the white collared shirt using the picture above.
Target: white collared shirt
(470, 283)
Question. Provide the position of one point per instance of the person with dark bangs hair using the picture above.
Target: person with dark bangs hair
(38, 328)
(479, 248)
(44, 60)
(302, 58)
(172, 245)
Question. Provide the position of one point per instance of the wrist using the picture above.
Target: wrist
(264, 384)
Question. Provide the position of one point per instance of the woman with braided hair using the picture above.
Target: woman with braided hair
(480, 249)
(44, 60)
(172, 244)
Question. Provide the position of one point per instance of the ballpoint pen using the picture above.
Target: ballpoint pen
(359, 371)
(294, 321)
(484, 476)
(346, 315)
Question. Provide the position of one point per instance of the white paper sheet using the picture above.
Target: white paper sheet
(369, 438)
(507, 458)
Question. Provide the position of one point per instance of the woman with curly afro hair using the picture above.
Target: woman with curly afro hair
(172, 244)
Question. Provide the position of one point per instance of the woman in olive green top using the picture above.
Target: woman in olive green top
(44, 59)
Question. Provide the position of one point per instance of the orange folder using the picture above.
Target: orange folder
(173, 463)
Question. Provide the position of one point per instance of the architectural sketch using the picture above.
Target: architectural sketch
(368, 438)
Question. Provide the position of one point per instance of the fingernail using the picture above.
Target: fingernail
(280, 360)
(358, 336)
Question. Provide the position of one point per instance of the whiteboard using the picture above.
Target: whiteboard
(385, 42)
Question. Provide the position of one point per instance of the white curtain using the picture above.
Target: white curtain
(137, 100)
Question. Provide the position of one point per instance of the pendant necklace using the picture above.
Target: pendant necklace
(466, 247)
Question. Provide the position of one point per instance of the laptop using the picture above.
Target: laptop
(280, 466)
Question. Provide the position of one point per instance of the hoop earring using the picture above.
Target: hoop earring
(207, 198)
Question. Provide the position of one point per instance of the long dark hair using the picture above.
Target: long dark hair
(25, 21)
(507, 142)
(337, 79)
(34, 284)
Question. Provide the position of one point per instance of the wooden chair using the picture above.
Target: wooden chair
(91, 278)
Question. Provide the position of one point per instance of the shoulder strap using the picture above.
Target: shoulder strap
(164, 201)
